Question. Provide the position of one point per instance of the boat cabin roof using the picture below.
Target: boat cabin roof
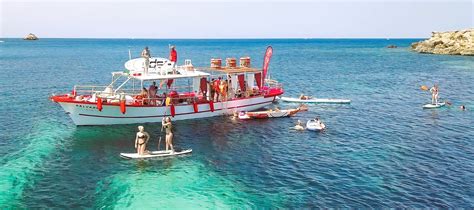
(154, 76)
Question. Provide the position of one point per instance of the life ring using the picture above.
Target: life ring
(99, 104)
(123, 108)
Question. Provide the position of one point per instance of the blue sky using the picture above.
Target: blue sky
(233, 19)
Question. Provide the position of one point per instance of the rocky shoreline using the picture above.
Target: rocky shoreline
(447, 43)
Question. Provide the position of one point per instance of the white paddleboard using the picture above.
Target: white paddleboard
(154, 154)
(317, 100)
(434, 106)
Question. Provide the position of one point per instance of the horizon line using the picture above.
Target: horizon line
(215, 38)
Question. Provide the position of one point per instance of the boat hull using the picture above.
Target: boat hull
(88, 114)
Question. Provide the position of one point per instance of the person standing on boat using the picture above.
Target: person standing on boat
(434, 94)
(166, 122)
(146, 55)
(141, 140)
(173, 58)
(152, 93)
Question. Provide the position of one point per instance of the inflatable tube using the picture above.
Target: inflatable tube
(123, 108)
(195, 106)
(211, 105)
(99, 104)
(172, 110)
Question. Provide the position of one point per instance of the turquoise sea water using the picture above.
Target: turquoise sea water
(383, 150)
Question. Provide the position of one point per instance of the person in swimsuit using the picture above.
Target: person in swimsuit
(299, 126)
(141, 139)
(434, 94)
(303, 97)
(169, 134)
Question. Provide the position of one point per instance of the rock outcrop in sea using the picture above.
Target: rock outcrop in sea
(31, 36)
(447, 43)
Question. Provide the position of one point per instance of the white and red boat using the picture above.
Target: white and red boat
(267, 114)
(186, 93)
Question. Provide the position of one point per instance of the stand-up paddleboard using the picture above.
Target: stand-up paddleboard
(434, 106)
(317, 100)
(155, 154)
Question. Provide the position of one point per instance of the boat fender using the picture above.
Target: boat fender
(172, 110)
(195, 106)
(99, 104)
(123, 108)
(211, 105)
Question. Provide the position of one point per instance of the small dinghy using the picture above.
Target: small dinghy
(268, 114)
(434, 106)
(155, 154)
(313, 125)
(316, 100)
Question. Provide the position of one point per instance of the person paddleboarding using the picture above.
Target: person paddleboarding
(166, 122)
(434, 94)
(141, 140)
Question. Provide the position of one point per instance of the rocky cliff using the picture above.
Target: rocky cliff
(447, 43)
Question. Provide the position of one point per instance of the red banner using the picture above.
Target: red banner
(241, 78)
(203, 85)
(258, 79)
(266, 61)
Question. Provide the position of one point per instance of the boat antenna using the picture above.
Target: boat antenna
(129, 54)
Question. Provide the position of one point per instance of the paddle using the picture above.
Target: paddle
(159, 142)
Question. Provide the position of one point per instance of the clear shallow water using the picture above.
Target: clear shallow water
(383, 150)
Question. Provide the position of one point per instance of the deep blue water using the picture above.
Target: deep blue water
(383, 150)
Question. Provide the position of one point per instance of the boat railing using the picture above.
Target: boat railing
(89, 89)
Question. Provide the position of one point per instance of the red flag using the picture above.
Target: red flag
(266, 61)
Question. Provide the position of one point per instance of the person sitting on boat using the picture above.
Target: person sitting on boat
(166, 122)
(146, 55)
(173, 58)
(303, 97)
(434, 94)
(144, 96)
(239, 93)
(141, 140)
(320, 123)
(152, 93)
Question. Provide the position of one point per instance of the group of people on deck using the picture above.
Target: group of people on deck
(219, 87)
(142, 137)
